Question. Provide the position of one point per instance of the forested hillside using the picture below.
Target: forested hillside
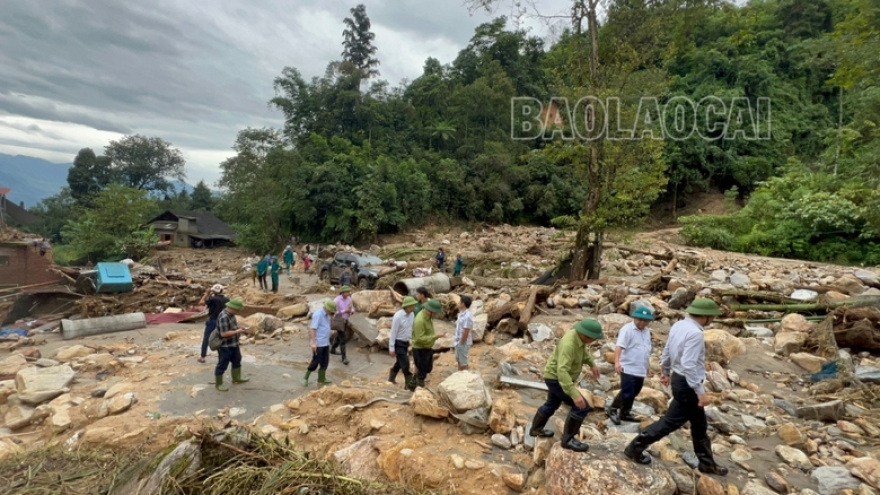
(355, 156)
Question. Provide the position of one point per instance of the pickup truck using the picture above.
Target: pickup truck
(364, 269)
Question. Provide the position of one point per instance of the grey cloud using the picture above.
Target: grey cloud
(195, 72)
(46, 110)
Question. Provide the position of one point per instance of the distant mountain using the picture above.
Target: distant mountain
(31, 179)
(34, 179)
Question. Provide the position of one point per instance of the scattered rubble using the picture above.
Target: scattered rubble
(783, 418)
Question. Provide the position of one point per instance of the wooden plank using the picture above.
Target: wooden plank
(524, 383)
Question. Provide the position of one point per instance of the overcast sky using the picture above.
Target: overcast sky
(79, 73)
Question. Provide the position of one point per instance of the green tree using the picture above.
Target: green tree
(54, 212)
(112, 226)
(202, 197)
(359, 50)
(145, 162)
(88, 175)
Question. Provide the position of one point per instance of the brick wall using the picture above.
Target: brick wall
(23, 265)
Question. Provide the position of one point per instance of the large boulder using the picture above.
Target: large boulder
(866, 468)
(502, 419)
(293, 311)
(657, 399)
(832, 479)
(868, 278)
(425, 404)
(260, 322)
(13, 364)
(360, 459)
(464, 390)
(376, 303)
(608, 472)
(795, 323)
(832, 410)
(789, 342)
(32, 380)
(69, 353)
(721, 346)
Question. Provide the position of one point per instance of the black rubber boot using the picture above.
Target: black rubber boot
(636, 450)
(538, 423)
(411, 383)
(392, 376)
(407, 377)
(613, 416)
(569, 440)
(707, 460)
(342, 351)
(625, 413)
(333, 350)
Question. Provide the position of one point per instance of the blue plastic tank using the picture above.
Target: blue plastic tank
(114, 277)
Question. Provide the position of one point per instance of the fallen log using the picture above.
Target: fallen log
(794, 308)
(660, 256)
(497, 283)
(526, 314)
(759, 295)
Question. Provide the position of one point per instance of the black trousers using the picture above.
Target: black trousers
(630, 386)
(321, 357)
(555, 397)
(210, 325)
(263, 284)
(339, 339)
(228, 355)
(424, 361)
(684, 408)
(402, 359)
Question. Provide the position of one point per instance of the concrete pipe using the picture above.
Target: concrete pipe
(437, 283)
(106, 324)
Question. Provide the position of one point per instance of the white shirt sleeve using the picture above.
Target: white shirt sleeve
(395, 328)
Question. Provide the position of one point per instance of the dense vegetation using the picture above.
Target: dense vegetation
(355, 157)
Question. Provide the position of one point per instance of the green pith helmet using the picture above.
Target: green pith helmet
(236, 304)
(330, 306)
(434, 306)
(643, 313)
(703, 307)
(589, 327)
(345, 288)
(408, 301)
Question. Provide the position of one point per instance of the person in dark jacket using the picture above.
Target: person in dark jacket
(215, 301)
(441, 259)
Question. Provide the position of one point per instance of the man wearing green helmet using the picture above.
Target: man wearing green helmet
(560, 374)
(684, 360)
(399, 337)
(423, 338)
(631, 361)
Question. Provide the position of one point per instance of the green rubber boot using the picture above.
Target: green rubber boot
(218, 384)
(322, 378)
(236, 376)
(306, 378)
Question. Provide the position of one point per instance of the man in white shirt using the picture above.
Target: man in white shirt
(398, 339)
(463, 336)
(684, 360)
(632, 358)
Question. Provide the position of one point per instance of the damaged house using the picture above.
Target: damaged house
(191, 229)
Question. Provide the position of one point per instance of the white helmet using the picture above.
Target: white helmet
(217, 289)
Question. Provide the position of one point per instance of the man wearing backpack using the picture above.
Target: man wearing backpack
(229, 351)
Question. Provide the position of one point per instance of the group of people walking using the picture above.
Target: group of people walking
(268, 268)
(682, 363)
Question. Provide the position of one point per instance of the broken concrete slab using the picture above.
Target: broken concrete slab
(30, 380)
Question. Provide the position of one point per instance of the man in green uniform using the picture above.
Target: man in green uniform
(422, 296)
(423, 338)
(561, 374)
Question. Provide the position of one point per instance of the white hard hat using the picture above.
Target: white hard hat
(217, 288)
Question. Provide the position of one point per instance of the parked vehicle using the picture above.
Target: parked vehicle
(364, 269)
